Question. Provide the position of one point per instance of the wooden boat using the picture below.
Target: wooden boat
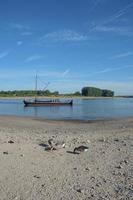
(51, 102)
(48, 103)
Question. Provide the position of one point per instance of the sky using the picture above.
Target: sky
(68, 43)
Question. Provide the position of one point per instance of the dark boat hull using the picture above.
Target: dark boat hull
(47, 103)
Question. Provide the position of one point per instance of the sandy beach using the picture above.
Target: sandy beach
(29, 172)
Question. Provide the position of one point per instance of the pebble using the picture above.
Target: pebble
(113, 173)
(116, 140)
(92, 177)
(98, 184)
(104, 180)
(43, 185)
(124, 174)
(119, 167)
(87, 169)
(5, 152)
(11, 141)
(80, 190)
(124, 161)
(102, 140)
(35, 176)
(89, 141)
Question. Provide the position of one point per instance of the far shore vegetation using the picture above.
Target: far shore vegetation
(85, 92)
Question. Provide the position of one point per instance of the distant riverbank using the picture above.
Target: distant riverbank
(58, 97)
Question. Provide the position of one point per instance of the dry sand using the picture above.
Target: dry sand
(28, 172)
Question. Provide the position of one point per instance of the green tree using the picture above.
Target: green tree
(91, 91)
(77, 93)
(107, 93)
(96, 92)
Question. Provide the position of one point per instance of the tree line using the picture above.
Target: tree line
(86, 91)
(96, 92)
(30, 93)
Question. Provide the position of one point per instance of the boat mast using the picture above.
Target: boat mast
(36, 87)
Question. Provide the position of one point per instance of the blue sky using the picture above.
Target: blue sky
(69, 43)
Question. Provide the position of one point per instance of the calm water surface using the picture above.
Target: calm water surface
(91, 109)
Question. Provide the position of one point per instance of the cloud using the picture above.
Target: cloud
(19, 26)
(94, 5)
(55, 74)
(103, 25)
(111, 70)
(115, 29)
(12, 73)
(87, 75)
(65, 72)
(63, 36)
(3, 54)
(43, 74)
(83, 76)
(121, 12)
(19, 43)
(26, 33)
(34, 57)
(122, 55)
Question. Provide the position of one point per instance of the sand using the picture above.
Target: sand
(28, 172)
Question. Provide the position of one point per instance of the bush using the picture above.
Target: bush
(96, 92)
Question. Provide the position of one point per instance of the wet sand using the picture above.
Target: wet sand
(28, 172)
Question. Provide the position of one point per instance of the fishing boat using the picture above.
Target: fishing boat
(51, 102)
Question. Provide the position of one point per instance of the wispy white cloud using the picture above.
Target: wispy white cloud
(24, 30)
(65, 72)
(19, 43)
(34, 57)
(26, 33)
(115, 29)
(106, 70)
(18, 26)
(63, 36)
(3, 54)
(121, 12)
(12, 73)
(122, 55)
(55, 74)
(44, 74)
(103, 25)
(87, 75)
(93, 6)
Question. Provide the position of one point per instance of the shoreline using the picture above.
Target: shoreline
(87, 121)
(62, 97)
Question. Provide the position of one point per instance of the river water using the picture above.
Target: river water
(82, 109)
